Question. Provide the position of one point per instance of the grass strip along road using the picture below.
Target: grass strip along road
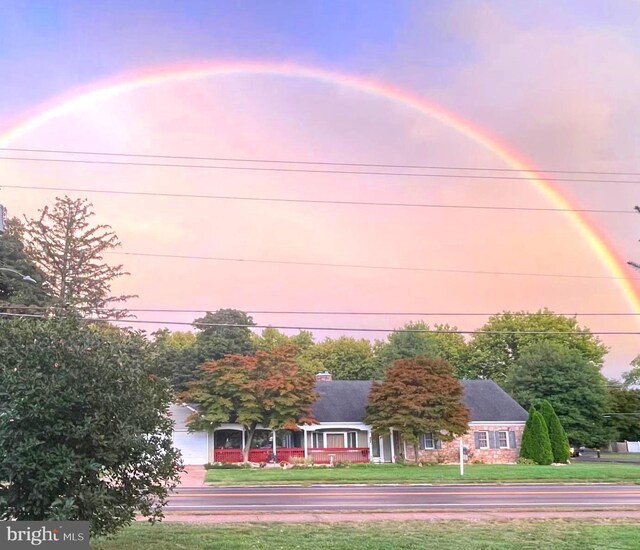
(410, 535)
(392, 473)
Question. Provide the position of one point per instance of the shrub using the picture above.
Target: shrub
(522, 460)
(301, 462)
(536, 445)
(557, 435)
(342, 464)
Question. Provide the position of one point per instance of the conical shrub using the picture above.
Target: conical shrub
(557, 435)
(536, 444)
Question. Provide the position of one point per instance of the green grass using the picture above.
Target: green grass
(379, 536)
(392, 473)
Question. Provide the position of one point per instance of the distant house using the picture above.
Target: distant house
(494, 436)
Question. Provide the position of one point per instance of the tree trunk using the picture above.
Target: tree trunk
(416, 448)
(250, 432)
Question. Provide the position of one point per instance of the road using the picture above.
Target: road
(386, 498)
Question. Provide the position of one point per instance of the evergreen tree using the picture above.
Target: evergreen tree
(536, 445)
(69, 249)
(557, 435)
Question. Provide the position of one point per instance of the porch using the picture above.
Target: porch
(319, 456)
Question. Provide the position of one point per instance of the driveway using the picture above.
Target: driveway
(193, 476)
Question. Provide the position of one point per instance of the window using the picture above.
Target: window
(317, 440)
(428, 442)
(352, 439)
(482, 439)
(503, 440)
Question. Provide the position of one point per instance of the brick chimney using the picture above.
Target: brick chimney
(323, 377)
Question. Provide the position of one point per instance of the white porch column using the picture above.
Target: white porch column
(273, 436)
(370, 445)
(306, 444)
(213, 447)
(393, 450)
(381, 443)
(243, 439)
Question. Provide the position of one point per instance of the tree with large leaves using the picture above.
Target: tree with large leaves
(570, 382)
(68, 248)
(84, 427)
(271, 338)
(496, 348)
(224, 332)
(623, 411)
(417, 339)
(265, 390)
(418, 395)
(345, 358)
(175, 355)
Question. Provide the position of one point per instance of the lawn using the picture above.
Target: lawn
(378, 536)
(393, 473)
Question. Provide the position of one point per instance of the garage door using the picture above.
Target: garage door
(193, 446)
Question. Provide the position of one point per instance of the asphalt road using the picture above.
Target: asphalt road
(386, 498)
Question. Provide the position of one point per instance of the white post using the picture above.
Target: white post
(370, 445)
(243, 439)
(381, 443)
(461, 457)
(393, 449)
(213, 447)
(306, 443)
(273, 436)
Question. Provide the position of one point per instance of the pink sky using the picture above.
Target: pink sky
(276, 117)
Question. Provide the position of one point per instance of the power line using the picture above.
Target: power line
(311, 163)
(319, 201)
(355, 313)
(364, 266)
(338, 329)
(305, 170)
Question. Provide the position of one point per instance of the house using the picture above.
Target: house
(494, 436)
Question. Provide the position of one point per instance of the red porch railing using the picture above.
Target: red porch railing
(326, 456)
(319, 456)
(256, 455)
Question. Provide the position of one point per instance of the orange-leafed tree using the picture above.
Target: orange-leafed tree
(418, 395)
(267, 389)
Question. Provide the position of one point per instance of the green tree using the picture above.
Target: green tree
(267, 389)
(418, 395)
(345, 358)
(557, 435)
(572, 384)
(536, 444)
(271, 338)
(68, 249)
(224, 332)
(495, 350)
(623, 412)
(417, 339)
(175, 355)
(84, 430)
(13, 289)
(632, 376)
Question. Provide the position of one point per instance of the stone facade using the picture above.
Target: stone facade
(450, 450)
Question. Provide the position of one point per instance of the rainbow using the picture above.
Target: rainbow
(86, 97)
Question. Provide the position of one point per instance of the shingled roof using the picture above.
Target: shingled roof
(346, 400)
